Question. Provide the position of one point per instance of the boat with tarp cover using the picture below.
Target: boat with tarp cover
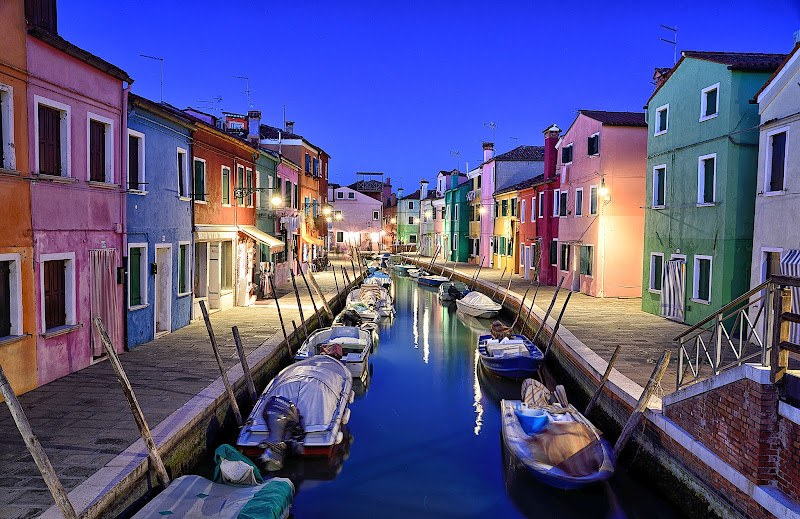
(512, 356)
(375, 297)
(349, 344)
(478, 305)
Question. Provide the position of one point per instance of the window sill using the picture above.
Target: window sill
(226, 205)
(709, 117)
(10, 172)
(700, 301)
(184, 198)
(184, 294)
(774, 193)
(707, 204)
(658, 207)
(138, 307)
(594, 155)
(10, 339)
(61, 330)
(654, 291)
(102, 185)
(136, 192)
(200, 202)
(53, 178)
(660, 133)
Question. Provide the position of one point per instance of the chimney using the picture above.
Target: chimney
(660, 76)
(253, 126)
(551, 136)
(454, 179)
(289, 126)
(394, 199)
(399, 193)
(488, 151)
(423, 189)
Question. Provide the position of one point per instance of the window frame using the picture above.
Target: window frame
(141, 177)
(556, 201)
(522, 211)
(7, 123)
(654, 204)
(588, 151)
(65, 134)
(665, 109)
(144, 276)
(225, 202)
(185, 177)
(571, 147)
(410, 205)
(249, 197)
(340, 195)
(593, 194)
(70, 296)
(512, 203)
(187, 269)
(590, 263)
(704, 102)
(701, 180)
(196, 200)
(15, 294)
(338, 234)
(563, 203)
(553, 243)
(108, 177)
(563, 260)
(541, 204)
(578, 206)
(651, 288)
(224, 261)
(376, 215)
(240, 200)
(768, 161)
(351, 195)
(696, 278)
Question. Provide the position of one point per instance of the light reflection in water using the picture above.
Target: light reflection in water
(477, 398)
(426, 329)
(416, 318)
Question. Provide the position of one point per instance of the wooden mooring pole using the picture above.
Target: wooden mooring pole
(336, 281)
(530, 308)
(603, 380)
(549, 309)
(280, 316)
(296, 335)
(510, 278)
(521, 304)
(35, 448)
(138, 416)
(313, 303)
(558, 323)
(502, 275)
(318, 290)
(638, 411)
(299, 304)
(228, 389)
(251, 387)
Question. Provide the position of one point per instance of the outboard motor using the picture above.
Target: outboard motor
(454, 292)
(282, 420)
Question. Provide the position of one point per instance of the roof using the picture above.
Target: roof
(270, 132)
(367, 186)
(530, 182)
(777, 71)
(412, 196)
(162, 108)
(616, 118)
(78, 53)
(522, 153)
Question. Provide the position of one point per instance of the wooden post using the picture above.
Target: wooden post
(530, 308)
(345, 280)
(510, 278)
(336, 281)
(558, 323)
(280, 316)
(474, 277)
(35, 448)
(138, 416)
(296, 335)
(353, 266)
(313, 303)
(251, 388)
(549, 309)
(299, 305)
(477, 275)
(321, 295)
(638, 411)
(521, 304)
(779, 360)
(228, 388)
(502, 274)
(603, 380)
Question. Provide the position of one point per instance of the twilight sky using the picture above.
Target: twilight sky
(396, 87)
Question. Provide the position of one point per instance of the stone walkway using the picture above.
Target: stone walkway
(83, 420)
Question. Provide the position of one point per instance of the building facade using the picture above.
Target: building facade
(506, 230)
(456, 225)
(357, 220)
(408, 218)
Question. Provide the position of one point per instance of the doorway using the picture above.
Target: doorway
(527, 262)
(576, 269)
(673, 289)
(214, 275)
(163, 286)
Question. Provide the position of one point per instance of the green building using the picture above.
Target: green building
(408, 218)
(456, 224)
(702, 152)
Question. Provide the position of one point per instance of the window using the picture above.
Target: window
(306, 206)
(510, 247)
(541, 205)
(339, 194)
(57, 277)
(775, 167)
(135, 161)
(455, 212)
(553, 252)
(200, 180)
(708, 102)
(410, 205)
(593, 200)
(226, 265)
(556, 199)
(656, 271)
(376, 215)
(659, 182)
(479, 181)
(587, 260)
(522, 212)
(702, 279)
(504, 205)
(495, 241)
(184, 273)
(566, 154)
(496, 208)
(562, 205)
(296, 194)
(137, 275)
(10, 295)
(52, 128)
(239, 184)
(101, 149)
(339, 236)
(337, 215)
(501, 245)
(351, 195)
(7, 157)
(593, 144)
(662, 120)
(455, 242)
(183, 188)
(564, 265)
(706, 175)
(513, 207)
(533, 208)
(250, 191)
(412, 238)
(579, 202)
(226, 185)
(444, 213)
(410, 220)
(308, 163)
(521, 254)
(316, 167)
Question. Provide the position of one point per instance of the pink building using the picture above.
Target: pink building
(601, 161)
(356, 220)
(288, 216)
(77, 153)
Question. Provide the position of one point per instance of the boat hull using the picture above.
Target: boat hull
(431, 281)
(476, 312)
(511, 365)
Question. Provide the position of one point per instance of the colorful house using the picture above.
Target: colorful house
(390, 236)
(407, 218)
(505, 238)
(527, 237)
(158, 220)
(77, 126)
(776, 232)
(427, 235)
(702, 154)
(456, 226)
(17, 295)
(476, 213)
(287, 219)
(546, 247)
(602, 159)
(357, 219)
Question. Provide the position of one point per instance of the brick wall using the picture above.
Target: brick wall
(789, 458)
(738, 422)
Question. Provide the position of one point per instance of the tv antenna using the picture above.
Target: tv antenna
(213, 102)
(247, 89)
(162, 72)
(492, 126)
(673, 41)
(456, 154)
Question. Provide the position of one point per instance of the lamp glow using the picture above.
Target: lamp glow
(482, 210)
(393, 220)
(374, 236)
(416, 219)
(428, 214)
(326, 211)
(276, 201)
(603, 189)
(338, 216)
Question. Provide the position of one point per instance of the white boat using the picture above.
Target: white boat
(302, 410)
(478, 305)
(375, 297)
(353, 345)
(364, 312)
(403, 267)
(452, 290)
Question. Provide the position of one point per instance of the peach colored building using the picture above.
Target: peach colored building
(599, 204)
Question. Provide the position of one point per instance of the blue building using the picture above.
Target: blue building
(158, 292)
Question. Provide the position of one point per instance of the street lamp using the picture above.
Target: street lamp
(338, 216)
(482, 210)
(603, 189)
(393, 221)
(427, 214)
(416, 219)
(276, 201)
(326, 211)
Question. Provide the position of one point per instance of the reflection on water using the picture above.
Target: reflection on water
(428, 429)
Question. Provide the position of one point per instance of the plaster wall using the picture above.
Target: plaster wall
(357, 221)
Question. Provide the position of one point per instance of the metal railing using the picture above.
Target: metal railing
(753, 326)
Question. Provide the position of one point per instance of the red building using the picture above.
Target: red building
(546, 221)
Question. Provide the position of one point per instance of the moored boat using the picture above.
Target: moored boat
(452, 290)
(379, 278)
(513, 357)
(553, 440)
(302, 410)
(375, 297)
(431, 280)
(349, 344)
(478, 305)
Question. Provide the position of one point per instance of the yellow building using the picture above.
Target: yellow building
(506, 230)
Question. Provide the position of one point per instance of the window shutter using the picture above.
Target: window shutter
(711, 102)
(199, 180)
(5, 298)
(182, 269)
(226, 186)
(133, 162)
(708, 181)
(181, 187)
(136, 276)
(704, 281)
(54, 294)
(777, 159)
(49, 141)
(97, 151)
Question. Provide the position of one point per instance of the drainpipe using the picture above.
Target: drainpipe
(123, 210)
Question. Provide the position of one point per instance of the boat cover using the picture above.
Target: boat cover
(235, 467)
(507, 348)
(479, 301)
(313, 386)
(198, 497)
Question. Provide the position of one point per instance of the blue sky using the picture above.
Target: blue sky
(397, 87)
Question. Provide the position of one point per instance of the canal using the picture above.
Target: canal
(424, 436)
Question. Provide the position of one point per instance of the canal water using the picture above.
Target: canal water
(424, 436)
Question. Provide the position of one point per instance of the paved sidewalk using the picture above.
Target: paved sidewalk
(83, 420)
(601, 324)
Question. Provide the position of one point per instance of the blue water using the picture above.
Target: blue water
(425, 436)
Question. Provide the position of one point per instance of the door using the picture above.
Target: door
(213, 275)
(163, 286)
(673, 289)
(576, 269)
(527, 259)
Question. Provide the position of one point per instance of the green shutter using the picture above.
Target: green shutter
(658, 272)
(704, 280)
(136, 276)
(199, 180)
(660, 186)
(708, 184)
(226, 186)
(182, 270)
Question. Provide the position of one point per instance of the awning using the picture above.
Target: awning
(214, 232)
(270, 241)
